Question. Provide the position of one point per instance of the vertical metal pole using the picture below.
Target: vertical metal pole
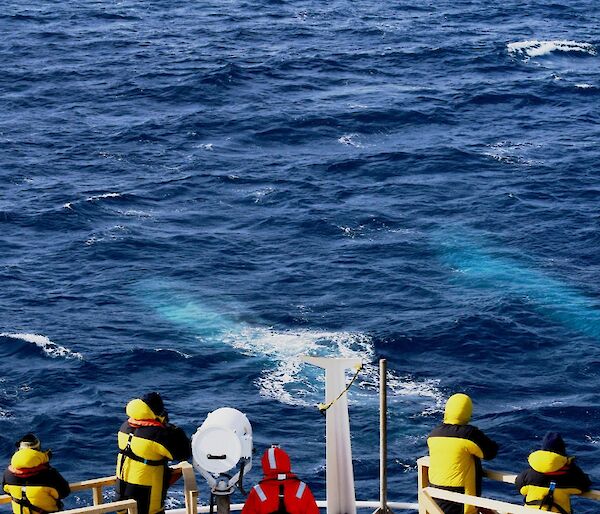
(223, 503)
(383, 435)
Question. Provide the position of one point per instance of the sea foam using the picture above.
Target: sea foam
(49, 347)
(95, 198)
(288, 381)
(536, 48)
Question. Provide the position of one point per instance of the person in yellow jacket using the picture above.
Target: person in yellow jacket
(455, 452)
(147, 442)
(34, 486)
(552, 477)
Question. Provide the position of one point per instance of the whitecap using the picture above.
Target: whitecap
(171, 502)
(513, 152)
(102, 196)
(584, 86)
(592, 439)
(349, 140)
(177, 352)
(536, 48)
(49, 347)
(136, 213)
(93, 240)
(352, 232)
(111, 234)
(262, 193)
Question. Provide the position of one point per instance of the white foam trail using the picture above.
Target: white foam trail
(50, 348)
(287, 380)
(536, 48)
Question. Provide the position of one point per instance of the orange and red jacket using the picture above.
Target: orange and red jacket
(264, 498)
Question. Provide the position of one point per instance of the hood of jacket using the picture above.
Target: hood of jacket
(27, 458)
(459, 409)
(139, 409)
(545, 461)
(276, 461)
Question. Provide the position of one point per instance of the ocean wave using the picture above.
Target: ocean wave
(50, 348)
(167, 351)
(536, 48)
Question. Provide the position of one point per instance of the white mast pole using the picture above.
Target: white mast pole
(340, 474)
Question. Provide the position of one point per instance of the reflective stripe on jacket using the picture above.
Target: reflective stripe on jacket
(297, 497)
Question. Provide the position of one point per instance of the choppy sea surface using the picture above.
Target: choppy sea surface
(196, 194)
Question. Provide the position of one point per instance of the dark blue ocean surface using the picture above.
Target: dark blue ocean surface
(196, 194)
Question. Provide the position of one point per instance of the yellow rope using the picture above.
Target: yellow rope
(324, 406)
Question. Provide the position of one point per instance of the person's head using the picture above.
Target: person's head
(276, 461)
(149, 406)
(553, 442)
(28, 441)
(459, 409)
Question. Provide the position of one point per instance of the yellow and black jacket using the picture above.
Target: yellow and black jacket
(146, 445)
(34, 486)
(550, 481)
(455, 450)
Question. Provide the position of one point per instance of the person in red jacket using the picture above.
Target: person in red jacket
(280, 491)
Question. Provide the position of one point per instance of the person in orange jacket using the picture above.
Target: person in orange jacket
(280, 491)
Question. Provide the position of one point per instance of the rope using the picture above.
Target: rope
(324, 406)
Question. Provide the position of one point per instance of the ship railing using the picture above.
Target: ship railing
(428, 494)
(96, 486)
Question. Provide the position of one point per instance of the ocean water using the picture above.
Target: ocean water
(196, 194)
